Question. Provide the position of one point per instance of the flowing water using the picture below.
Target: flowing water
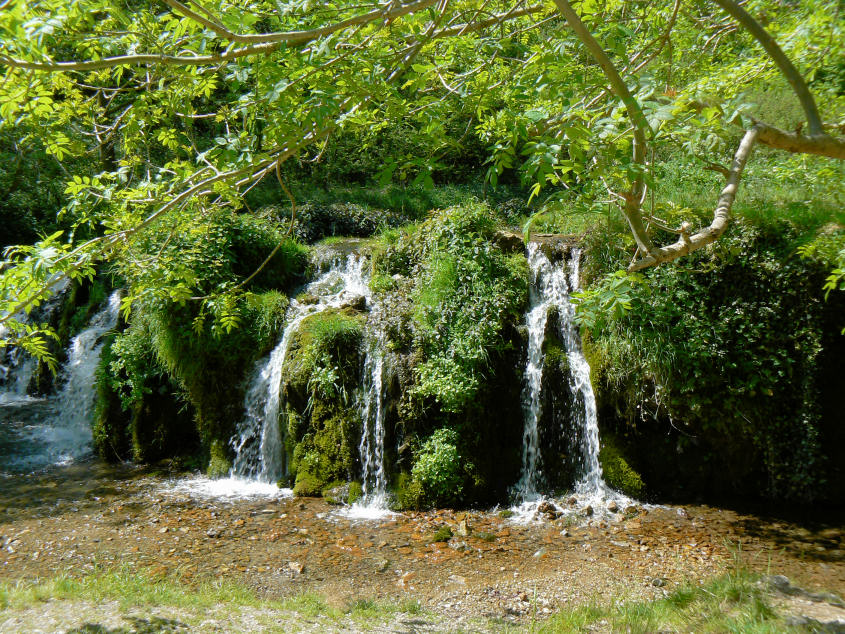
(40, 432)
(258, 444)
(551, 288)
(374, 502)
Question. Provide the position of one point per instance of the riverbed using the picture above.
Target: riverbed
(91, 515)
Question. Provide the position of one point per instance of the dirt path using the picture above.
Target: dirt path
(498, 572)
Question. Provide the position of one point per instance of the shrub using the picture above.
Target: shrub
(438, 468)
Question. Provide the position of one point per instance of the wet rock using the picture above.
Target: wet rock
(382, 564)
(338, 495)
(612, 506)
(588, 511)
(296, 568)
(548, 510)
(658, 582)
(214, 532)
(464, 529)
(572, 501)
(682, 512)
(509, 241)
(405, 579)
(358, 304)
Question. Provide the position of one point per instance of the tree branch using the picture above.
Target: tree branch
(641, 127)
(388, 13)
(687, 244)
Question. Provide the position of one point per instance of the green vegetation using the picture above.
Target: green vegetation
(438, 468)
(320, 379)
(617, 472)
(132, 589)
(734, 602)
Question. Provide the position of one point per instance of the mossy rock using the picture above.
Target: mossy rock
(409, 494)
(328, 448)
(219, 464)
(308, 485)
(324, 355)
(617, 472)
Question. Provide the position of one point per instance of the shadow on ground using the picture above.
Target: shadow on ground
(136, 625)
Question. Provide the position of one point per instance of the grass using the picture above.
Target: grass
(132, 589)
(127, 587)
(733, 602)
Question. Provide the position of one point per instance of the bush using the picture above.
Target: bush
(438, 468)
(467, 290)
(730, 354)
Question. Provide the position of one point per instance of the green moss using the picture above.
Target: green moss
(505, 513)
(617, 472)
(328, 449)
(356, 492)
(110, 425)
(442, 534)
(408, 493)
(219, 463)
(308, 485)
(380, 283)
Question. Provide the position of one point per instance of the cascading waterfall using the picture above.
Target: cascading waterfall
(371, 448)
(16, 366)
(258, 442)
(584, 412)
(548, 284)
(38, 432)
(69, 437)
(551, 289)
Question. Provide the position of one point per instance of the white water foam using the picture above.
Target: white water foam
(226, 489)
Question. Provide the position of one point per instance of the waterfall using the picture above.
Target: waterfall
(258, 443)
(551, 289)
(371, 448)
(36, 432)
(16, 366)
(70, 435)
(15, 377)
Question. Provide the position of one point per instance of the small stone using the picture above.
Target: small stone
(163, 530)
(213, 532)
(565, 533)
(523, 596)
(588, 511)
(464, 529)
(296, 568)
(405, 579)
(658, 582)
(382, 564)
(612, 506)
